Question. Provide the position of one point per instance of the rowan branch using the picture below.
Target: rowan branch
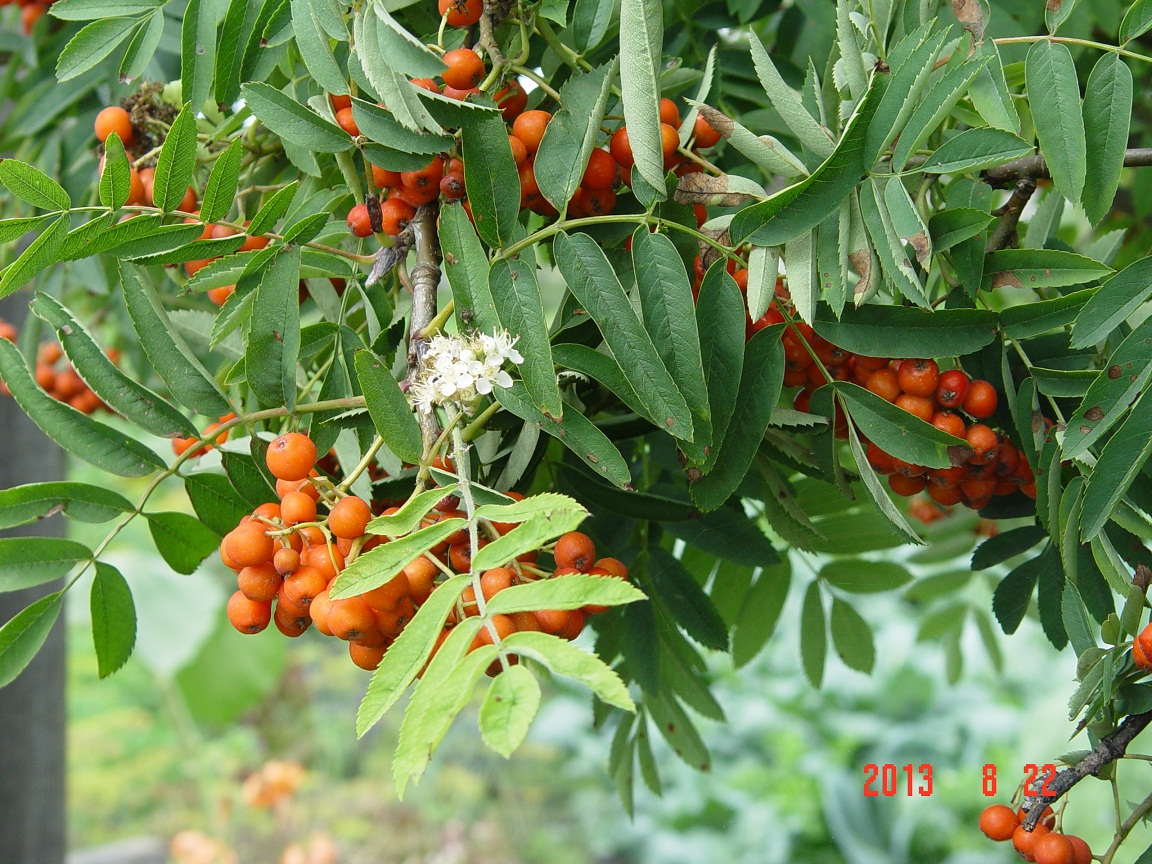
(425, 277)
(1003, 176)
(1110, 748)
(1004, 234)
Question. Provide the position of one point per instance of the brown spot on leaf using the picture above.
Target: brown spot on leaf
(1114, 372)
(1094, 413)
(1084, 430)
(922, 247)
(701, 188)
(971, 15)
(671, 728)
(592, 459)
(277, 336)
(1142, 578)
(694, 474)
(669, 422)
(1054, 5)
(1006, 279)
(861, 261)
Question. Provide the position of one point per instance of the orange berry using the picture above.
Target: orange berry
(367, 658)
(247, 545)
(350, 618)
(1053, 848)
(349, 517)
(511, 99)
(301, 587)
(395, 214)
(115, 119)
(706, 136)
(291, 456)
(286, 560)
(496, 580)
(920, 406)
(347, 122)
(1082, 853)
(980, 400)
(669, 113)
(919, 377)
(465, 68)
(621, 148)
(601, 172)
(296, 507)
(575, 550)
(529, 127)
(885, 384)
(1024, 842)
(246, 615)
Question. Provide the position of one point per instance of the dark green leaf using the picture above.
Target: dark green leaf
(314, 49)
(272, 209)
(1119, 296)
(1031, 319)
(220, 192)
(1041, 268)
(292, 121)
(899, 432)
(183, 541)
(691, 608)
(492, 180)
(874, 330)
(115, 179)
(274, 336)
(1054, 97)
(760, 383)
(24, 633)
(29, 561)
(43, 252)
(516, 295)
(1107, 115)
(188, 381)
(77, 433)
(142, 46)
(1119, 463)
(20, 505)
(936, 104)
(813, 637)
(92, 44)
(391, 414)
(218, 505)
(1137, 21)
(380, 126)
(912, 62)
(594, 283)
(1005, 545)
(720, 322)
(761, 613)
(975, 150)
(953, 226)
(852, 637)
(465, 264)
(726, 533)
(247, 478)
(1013, 594)
(197, 51)
(877, 491)
(113, 619)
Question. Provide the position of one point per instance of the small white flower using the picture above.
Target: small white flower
(460, 369)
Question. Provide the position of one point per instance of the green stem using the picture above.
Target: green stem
(437, 323)
(354, 475)
(639, 218)
(1087, 43)
(473, 429)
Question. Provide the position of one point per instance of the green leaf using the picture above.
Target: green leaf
(907, 223)
(508, 709)
(121, 393)
(804, 205)
(691, 608)
(666, 308)
(29, 561)
(1013, 594)
(1040, 268)
(788, 104)
(571, 591)
(115, 181)
(410, 513)
(238, 32)
(218, 505)
(86, 10)
(975, 150)
(273, 208)
(1119, 463)
(516, 295)
(220, 192)
(379, 125)
(878, 493)
(406, 54)
(183, 541)
(314, 49)
(763, 151)
(274, 335)
(761, 613)
(813, 637)
(1107, 116)
(292, 121)
(658, 508)
(525, 537)
(84, 502)
(590, 20)
(595, 285)
(989, 91)
(13, 229)
(80, 435)
(197, 51)
(1054, 97)
(465, 264)
(909, 77)
(43, 252)
(92, 44)
(899, 432)
(561, 657)
(950, 227)
(600, 366)
(378, 566)
(442, 693)
(858, 576)
(142, 47)
(571, 134)
(492, 180)
(391, 414)
(24, 633)
(113, 619)
(408, 654)
(1137, 21)
(763, 273)
(727, 533)
(874, 330)
(247, 479)
(936, 104)
(720, 322)
(33, 186)
(893, 255)
(575, 430)
(1120, 295)
(1056, 12)
(1124, 376)
(1031, 319)
(1006, 545)
(852, 637)
(641, 42)
(760, 382)
(188, 381)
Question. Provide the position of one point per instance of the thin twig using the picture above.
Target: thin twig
(1004, 235)
(1003, 176)
(425, 278)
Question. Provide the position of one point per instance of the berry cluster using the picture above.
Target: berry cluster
(1142, 649)
(116, 118)
(1043, 845)
(57, 376)
(287, 554)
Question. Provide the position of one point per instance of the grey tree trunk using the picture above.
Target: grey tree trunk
(32, 755)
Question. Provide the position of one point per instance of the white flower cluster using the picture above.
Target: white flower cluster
(460, 369)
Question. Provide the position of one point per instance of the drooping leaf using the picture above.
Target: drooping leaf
(391, 414)
(813, 636)
(274, 333)
(1107, 116)
(720, 323)
(508, 709)
(852, 637)
(1013, 594)
(563, 658)
(492, 180)
(29, 561)
(113, 619)
(197, 51)
(24, 633)
(975, 150)
(183, 541)
(516, 296)
(641, 41)
(899, 432)
(466, 266)
(865, 577)
(84, 502)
